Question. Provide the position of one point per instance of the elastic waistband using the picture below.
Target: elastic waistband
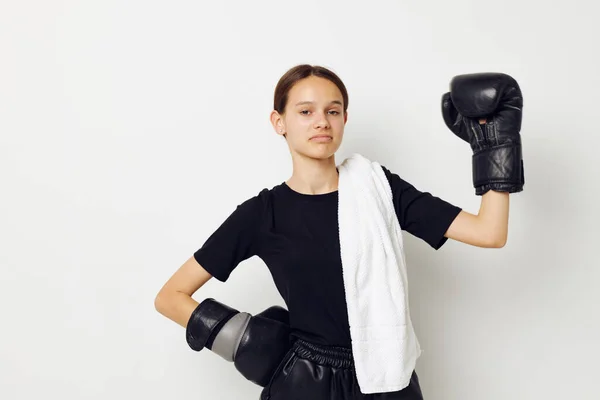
(333, 356)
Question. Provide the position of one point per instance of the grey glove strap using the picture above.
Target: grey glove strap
(228, 339)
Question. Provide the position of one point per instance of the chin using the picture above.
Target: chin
(322, 154)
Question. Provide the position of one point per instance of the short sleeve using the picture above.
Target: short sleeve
(233, 242)
(420, 213)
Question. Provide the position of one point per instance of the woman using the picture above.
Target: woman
(293, 228)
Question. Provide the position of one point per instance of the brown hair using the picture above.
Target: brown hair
(299, 72)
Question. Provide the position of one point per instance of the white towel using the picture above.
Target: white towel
(384, 344)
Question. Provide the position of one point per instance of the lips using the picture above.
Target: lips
(322, 136)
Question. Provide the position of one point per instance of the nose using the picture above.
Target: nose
(321, 120)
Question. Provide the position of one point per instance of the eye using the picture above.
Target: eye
(335, 112)
(304, 111)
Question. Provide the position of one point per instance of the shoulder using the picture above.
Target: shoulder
(258, 206)
(255, 204)
(386, 171)
(395, 180)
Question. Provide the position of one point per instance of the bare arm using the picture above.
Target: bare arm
(174, 300)
(489, 228)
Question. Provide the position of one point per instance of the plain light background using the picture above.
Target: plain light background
(131, 129)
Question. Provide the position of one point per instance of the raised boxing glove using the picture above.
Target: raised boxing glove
(497, 153)
(255, 344)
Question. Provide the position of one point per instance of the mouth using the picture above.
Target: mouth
(321, 137)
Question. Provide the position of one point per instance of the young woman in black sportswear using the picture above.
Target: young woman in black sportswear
(304, 352)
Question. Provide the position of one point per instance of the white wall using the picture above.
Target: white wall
(131, 129)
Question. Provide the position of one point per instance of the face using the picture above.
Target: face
(314, 107)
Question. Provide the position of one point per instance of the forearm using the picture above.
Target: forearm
(493, 216)
(176, 306)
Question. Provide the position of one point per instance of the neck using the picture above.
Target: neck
(314, 176)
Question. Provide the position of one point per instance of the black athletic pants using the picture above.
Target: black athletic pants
(314, 372)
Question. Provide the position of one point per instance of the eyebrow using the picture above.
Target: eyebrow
(312, 102)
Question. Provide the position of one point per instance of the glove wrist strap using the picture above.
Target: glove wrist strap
(205, 318)
(499, 168)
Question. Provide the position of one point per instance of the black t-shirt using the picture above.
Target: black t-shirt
(297, 237)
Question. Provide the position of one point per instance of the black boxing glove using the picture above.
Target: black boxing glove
(255, 344)
(496, 145)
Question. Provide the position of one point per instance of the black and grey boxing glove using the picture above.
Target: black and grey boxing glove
(496, 145)
(255, 344)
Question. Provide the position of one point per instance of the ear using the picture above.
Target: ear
(277, 122)
(345, 117)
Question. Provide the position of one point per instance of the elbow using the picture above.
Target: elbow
(497, 242)
(495, 236)
(159, 302)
